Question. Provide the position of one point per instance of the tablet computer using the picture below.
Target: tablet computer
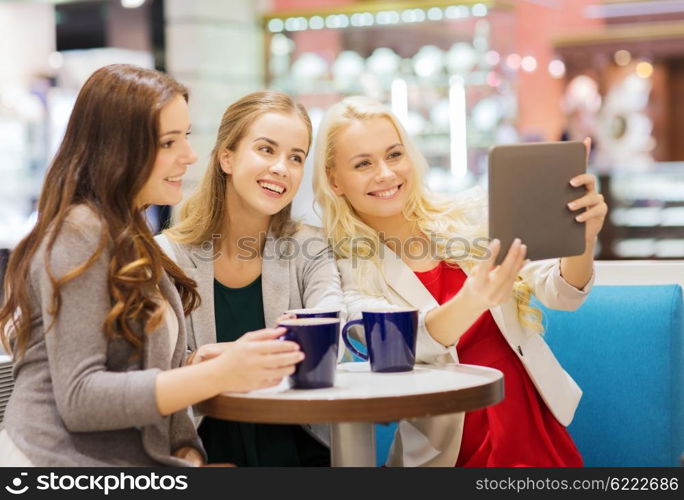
(529, 189)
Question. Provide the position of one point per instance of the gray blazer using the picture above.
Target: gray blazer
(298, 271)
(80, 399)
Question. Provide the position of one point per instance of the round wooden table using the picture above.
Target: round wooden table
(361, 398)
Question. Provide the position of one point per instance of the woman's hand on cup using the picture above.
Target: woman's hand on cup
(257, 360)
(207, 351)
(285, 316)
(489, 285)
(190, 454)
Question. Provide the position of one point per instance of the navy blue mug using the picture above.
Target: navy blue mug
(318, 338)
(391, 336)
(315, 313)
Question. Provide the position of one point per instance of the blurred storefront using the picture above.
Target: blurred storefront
(635, 66)
(464, 76)
(47, 52)
(461, 75)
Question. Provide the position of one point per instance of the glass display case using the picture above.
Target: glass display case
(646, 218)
(33, 118)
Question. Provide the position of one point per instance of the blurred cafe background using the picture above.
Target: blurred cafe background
(461, 75)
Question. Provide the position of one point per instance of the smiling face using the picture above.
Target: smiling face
(372, 170)
(173, 157)
(266, 168)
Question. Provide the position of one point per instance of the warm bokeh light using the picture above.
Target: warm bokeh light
(528, 64)
(622, 57)
(493, 79)
(492, 57)
(557, 68)
(644, 69)
(513, 61)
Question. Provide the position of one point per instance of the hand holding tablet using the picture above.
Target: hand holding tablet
(489, 285)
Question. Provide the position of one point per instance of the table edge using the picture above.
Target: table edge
(376, 409)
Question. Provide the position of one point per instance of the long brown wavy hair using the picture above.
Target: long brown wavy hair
(105, 158)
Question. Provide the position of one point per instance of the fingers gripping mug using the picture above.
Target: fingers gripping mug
(315, 313)
(318, 338)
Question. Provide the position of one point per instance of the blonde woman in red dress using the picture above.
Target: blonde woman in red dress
(397, 243)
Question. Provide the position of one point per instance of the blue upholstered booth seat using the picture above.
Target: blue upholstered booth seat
(624, 347)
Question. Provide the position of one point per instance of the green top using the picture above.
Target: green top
(237, 311)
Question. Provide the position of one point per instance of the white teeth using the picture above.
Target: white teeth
(174, 179)
(387, 193)
(272, 187)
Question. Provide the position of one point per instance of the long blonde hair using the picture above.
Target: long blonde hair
(202, 216)
(439, 217)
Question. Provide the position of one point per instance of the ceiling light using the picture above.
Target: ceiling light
(131, 4)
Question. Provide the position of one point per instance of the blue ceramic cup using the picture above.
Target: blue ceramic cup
(315, 313)
(318, 338)
(390, 335)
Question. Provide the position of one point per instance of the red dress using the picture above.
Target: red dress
(520, 431)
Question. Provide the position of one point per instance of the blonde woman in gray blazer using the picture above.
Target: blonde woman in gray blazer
(95, 313)
(235, 237)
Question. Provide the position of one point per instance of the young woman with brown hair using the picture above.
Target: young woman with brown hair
(95, 311)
